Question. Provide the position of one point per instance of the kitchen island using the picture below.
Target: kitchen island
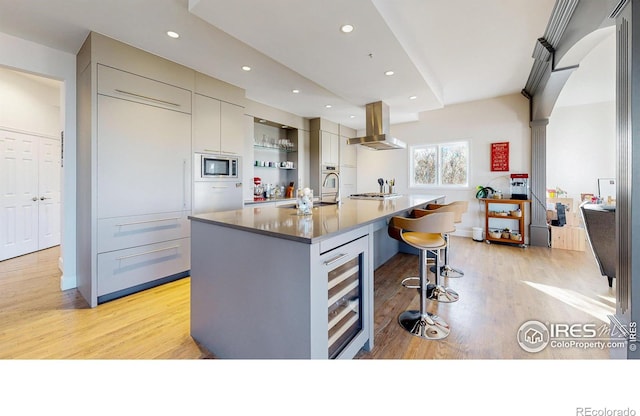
(268, 283)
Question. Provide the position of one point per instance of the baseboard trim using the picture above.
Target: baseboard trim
(463, 233)
(144, 286)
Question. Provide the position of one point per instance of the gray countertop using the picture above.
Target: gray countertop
(269, 200)
(325, 221)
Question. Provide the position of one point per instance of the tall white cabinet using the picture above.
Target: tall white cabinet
(329, 146)
(324, 149)
(141, 146)
(134, 169)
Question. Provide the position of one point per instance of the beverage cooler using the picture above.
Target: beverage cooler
(345, 271)
(344, 312)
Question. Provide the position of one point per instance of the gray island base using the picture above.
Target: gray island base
(267, 283)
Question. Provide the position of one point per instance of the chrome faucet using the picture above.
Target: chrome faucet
(338, 201)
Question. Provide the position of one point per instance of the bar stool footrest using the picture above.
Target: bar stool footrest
(447, 271)
(442, 294)
(406, 280)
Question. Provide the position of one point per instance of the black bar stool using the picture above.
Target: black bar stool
(425, 234)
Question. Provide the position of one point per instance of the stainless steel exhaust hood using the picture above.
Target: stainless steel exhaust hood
(377, 123)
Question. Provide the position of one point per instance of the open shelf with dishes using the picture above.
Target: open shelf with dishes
(276, 160)
(505, 220)
(280, 148)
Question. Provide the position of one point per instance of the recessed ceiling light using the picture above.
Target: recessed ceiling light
(346, 28)
(413, 97)
(295, 91)
(389, 73)
(352, 116)
(328, 106)
(246, 68)
(173, 34)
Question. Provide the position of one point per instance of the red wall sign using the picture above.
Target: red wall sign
(500, 157)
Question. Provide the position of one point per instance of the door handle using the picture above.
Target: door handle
(42, 198)
(34, 199)
(335, 259)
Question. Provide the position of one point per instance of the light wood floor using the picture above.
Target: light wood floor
(503, 287)
(37, 320)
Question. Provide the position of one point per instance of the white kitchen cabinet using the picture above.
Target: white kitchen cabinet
(138, 230)
(231, 129)
(348, 153)
(324, 149)
(348, 162)
(329, 148)
(218, 126)
(134, 169)
(127, 86)
(144, 162)
(143, 169)
(135, 266)
(304, 162)
(206, 124)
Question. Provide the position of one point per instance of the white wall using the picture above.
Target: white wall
(481, 123)
(581, 147)
(29, 106)
(581, 135)
(31, 57)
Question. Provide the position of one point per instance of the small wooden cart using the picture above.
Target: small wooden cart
(505, 211)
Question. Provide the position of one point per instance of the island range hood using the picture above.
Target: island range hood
(377, 123)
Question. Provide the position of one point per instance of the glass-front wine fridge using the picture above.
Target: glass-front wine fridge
(345, 274)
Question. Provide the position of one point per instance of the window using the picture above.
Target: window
(439, 165)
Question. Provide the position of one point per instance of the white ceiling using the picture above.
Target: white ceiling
(443, 52)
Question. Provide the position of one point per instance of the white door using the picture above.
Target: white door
(48, 193)
(24, 214)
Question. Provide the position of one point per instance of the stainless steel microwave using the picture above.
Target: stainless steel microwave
(215, 167)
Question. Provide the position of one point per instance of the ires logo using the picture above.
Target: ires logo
(572, 331)
(535, 336)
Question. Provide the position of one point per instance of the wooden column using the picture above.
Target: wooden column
(539, 232)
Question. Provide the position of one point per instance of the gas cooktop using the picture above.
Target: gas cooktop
(374, 195)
